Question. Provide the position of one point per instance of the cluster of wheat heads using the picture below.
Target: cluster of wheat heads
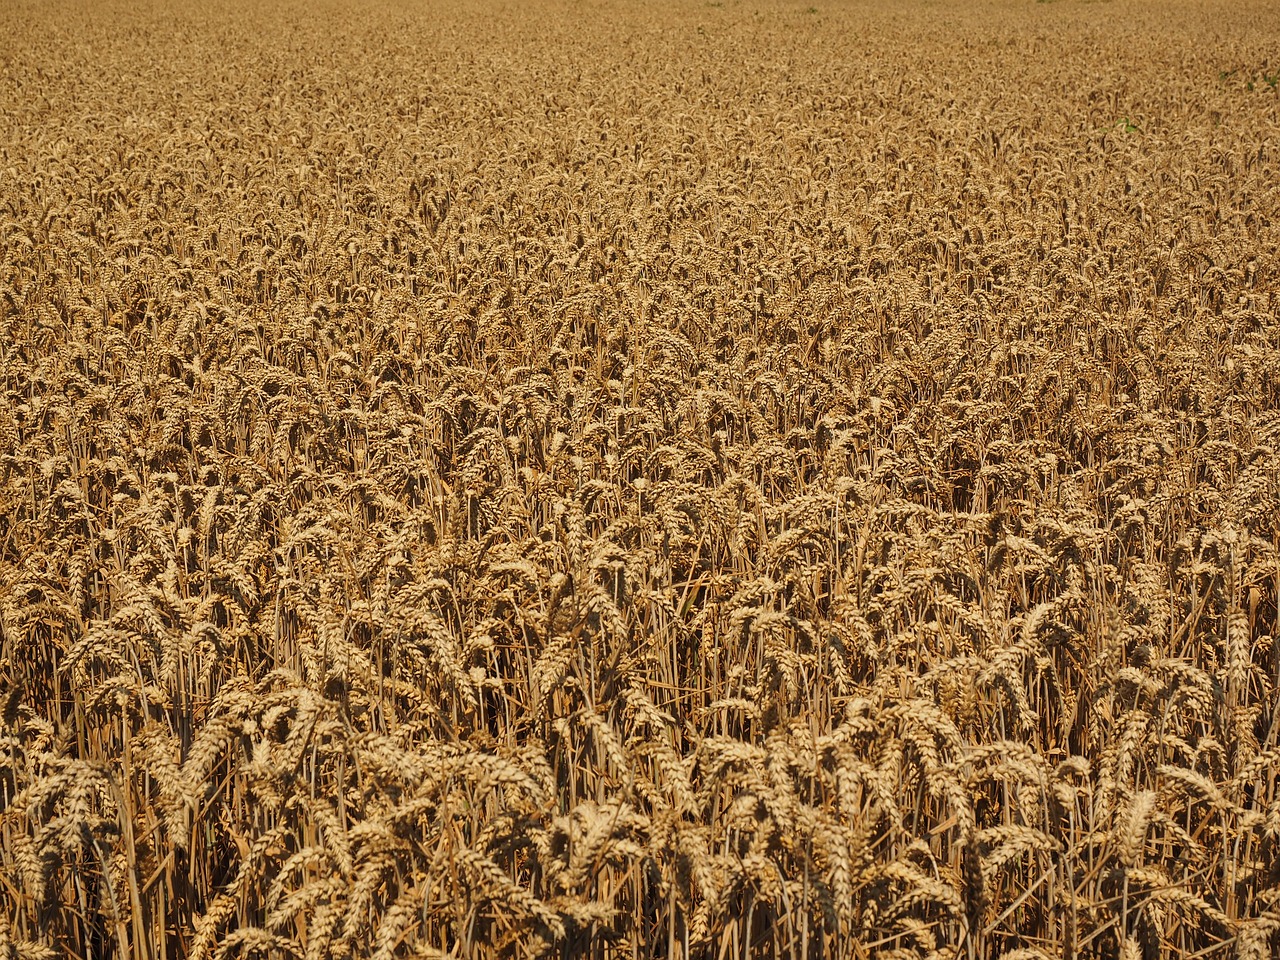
(639, 481)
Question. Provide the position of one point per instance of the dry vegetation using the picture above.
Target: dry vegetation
(622, 480)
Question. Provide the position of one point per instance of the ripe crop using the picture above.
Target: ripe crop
(615, 479)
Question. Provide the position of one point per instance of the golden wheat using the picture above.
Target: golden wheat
(639, 480)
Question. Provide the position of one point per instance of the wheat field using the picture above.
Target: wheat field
(606, 479)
